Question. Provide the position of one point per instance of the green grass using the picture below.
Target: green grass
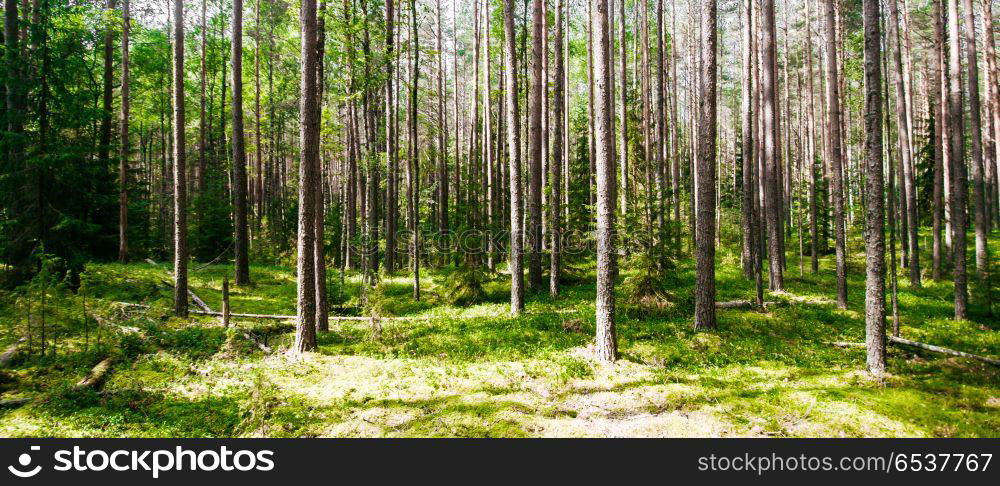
(474, 371)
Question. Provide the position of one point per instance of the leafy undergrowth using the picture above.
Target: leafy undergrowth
(473, 371)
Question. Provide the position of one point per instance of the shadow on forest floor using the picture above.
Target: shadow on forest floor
(475, 371)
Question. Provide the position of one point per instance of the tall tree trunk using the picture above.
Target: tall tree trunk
(371, 185)
(123, 163)
(372, 221)
(224, 78)
(514, 157)
(675, 179)
(890, 182)
(180, 169)
(413, 174)
(353, 176)
(534, 230)
(704, 293)
(15, 108)
(391, 147)
(484, 147)
(555, 166)
(623, 116)
(202, 127)
(259, 151)
(319, 253)
(457, 174)
(590, 109)
(905, 149)
(813, 205)
(643, 75)
(242, 241)
(750, 183)
(975, 127)
(442, 152)
(992, 129)
(874, 186)
(772, 162)
(661, 148)
(305, 331)
(749, 194)
(104, 147)
(940, 135)
(607, 341)
(958, 182)
(836, 153)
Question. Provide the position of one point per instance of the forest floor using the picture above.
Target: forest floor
(473, 371)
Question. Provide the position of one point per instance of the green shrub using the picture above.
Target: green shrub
(645, 290)
(132, 345)
(465, 286)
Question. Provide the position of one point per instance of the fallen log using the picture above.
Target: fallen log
(332, 318)
(200, 303)
(792, 299)
(263, 347)
(798, 299)
(13, 402)
(9, 354)
(847, 344)
(281, 317)
(194, 297)
(197, 300)
(939, 349)
(219, 314)
(96, 376)
(248, 316)
(898, 341)
(743, 304)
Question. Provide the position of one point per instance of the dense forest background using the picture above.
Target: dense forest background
(496, 138)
